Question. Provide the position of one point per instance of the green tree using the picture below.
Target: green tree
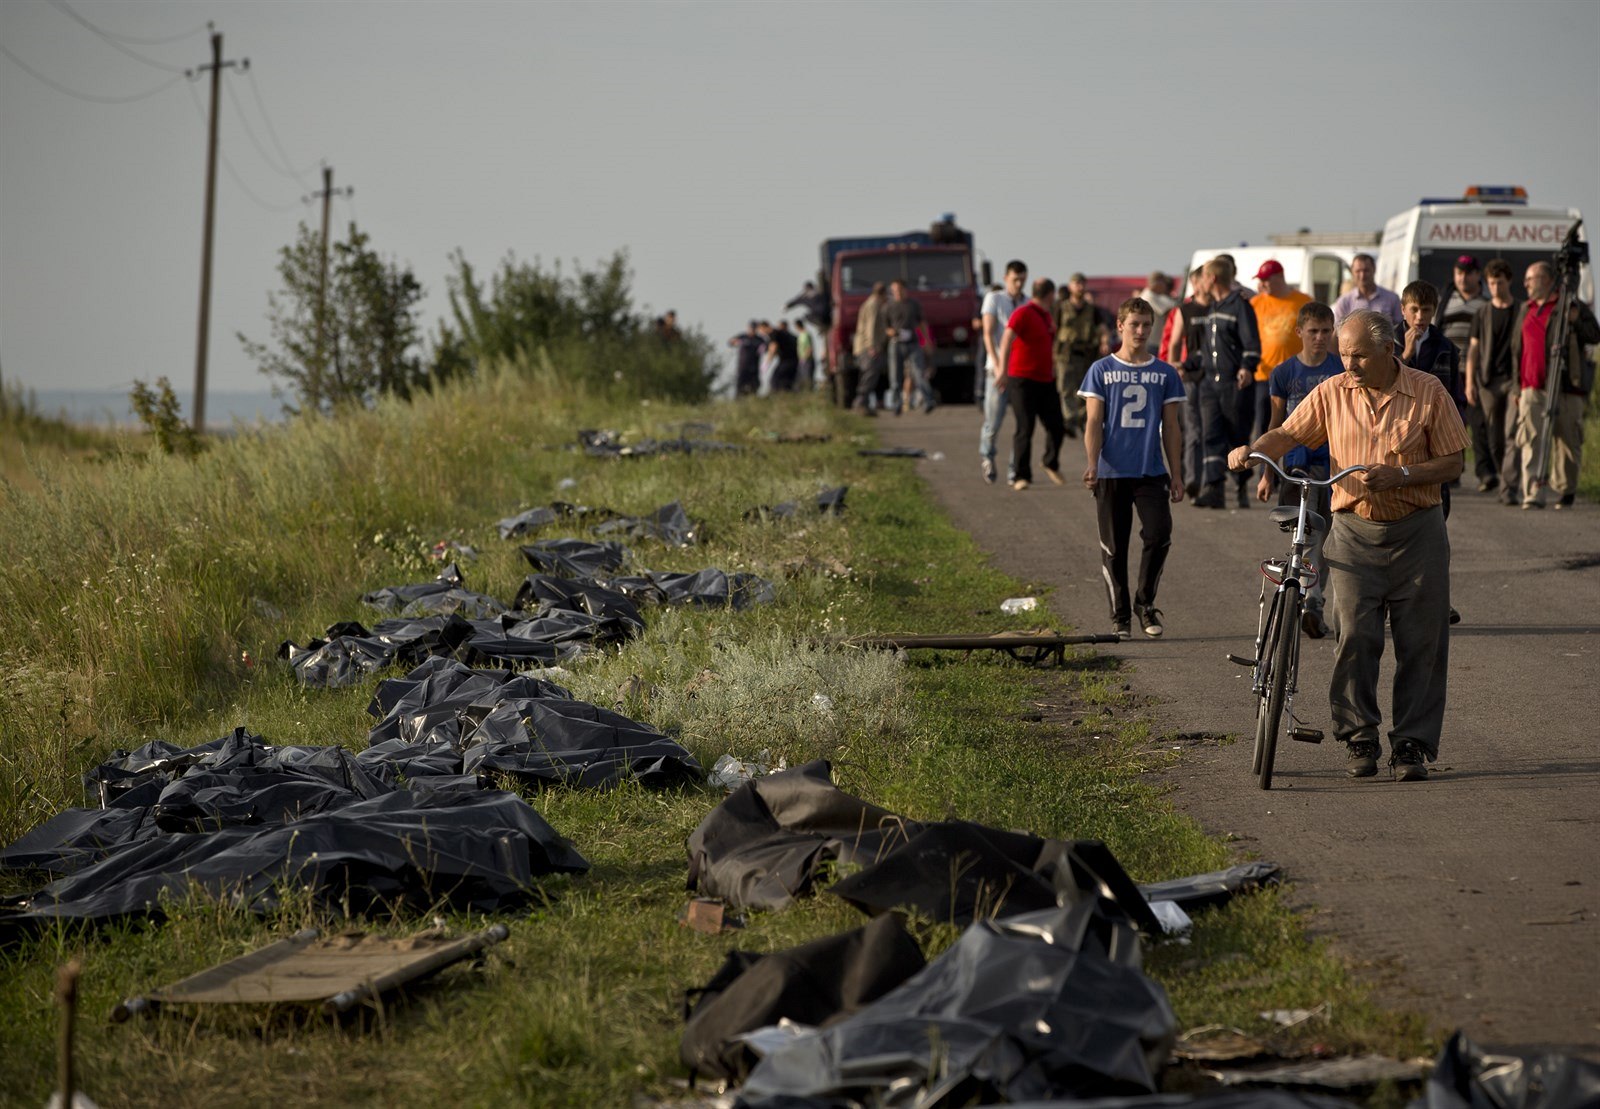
(159, 412)
(524, 308)
(370, 336)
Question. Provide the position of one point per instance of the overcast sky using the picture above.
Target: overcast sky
(719, 143)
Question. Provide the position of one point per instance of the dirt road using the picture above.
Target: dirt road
(1473, 897)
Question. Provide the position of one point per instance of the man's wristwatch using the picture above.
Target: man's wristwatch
(1405, 474)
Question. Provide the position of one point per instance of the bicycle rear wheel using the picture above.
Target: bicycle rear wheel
(1280, 648)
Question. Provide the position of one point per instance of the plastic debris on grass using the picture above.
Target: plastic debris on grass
(244, 821)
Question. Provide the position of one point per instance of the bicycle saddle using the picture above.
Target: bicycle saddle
(1285, 515)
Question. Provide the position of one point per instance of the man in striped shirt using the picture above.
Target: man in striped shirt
(1387, 555)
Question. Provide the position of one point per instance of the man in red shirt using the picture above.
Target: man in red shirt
(1534, 348)
(1027, 351)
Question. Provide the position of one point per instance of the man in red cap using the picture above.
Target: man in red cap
(1277, 309)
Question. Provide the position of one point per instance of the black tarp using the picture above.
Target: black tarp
(764, 845)
(609, 444)
(245, 821)
(494, 722)
(348, 652)
(829, 502)
(545, 593)
(1208, 891)
(670, 524)
(812, 984)
(575, 558)
(955, 872)
(768, 841)
(1038, 1005)
(708, 588)
(444, 595)
(1466, 1076)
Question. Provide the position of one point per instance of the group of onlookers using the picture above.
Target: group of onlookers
(771, 358)
(1374, 381)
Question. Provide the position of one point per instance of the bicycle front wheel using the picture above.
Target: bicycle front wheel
(1280, 649)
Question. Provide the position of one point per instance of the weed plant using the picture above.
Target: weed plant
(147, 603)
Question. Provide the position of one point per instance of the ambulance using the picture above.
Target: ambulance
(1488, 221)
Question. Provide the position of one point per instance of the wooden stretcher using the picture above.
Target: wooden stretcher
(1035, 648)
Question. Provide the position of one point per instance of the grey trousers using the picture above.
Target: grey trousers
(1397, 573)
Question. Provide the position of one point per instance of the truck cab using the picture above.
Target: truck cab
(938, 269)
(1487, 222)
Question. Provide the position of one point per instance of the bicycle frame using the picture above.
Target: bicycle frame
(1298, 572)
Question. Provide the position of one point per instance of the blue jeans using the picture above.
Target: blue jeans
(994, 414)
(904, 357)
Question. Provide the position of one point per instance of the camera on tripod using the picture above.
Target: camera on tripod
(1571, 255)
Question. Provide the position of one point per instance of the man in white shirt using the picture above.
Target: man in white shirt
(997, 308)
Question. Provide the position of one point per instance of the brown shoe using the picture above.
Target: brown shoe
(1054, 476)
(1020, 484)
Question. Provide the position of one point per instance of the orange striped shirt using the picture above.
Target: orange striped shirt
(1413, 422)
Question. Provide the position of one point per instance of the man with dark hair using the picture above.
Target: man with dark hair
(1026, 351)
(1461, 303)
(867, 346)
(1491, 388)
(1537, 352)
(785, 354)
(1387, 554)
(1132, 438)
(1227, 356)
(908, 366)
(998, 305)
(1081, 337)
(1367, 294)
(747, 360)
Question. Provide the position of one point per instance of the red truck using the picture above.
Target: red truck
(940, 271)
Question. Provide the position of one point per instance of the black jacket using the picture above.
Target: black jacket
(1230, 340)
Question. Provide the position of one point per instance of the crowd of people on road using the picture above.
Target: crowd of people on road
(1382, 380)
(1172, 397)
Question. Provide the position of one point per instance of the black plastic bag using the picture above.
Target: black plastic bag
(575, 558)
(812, 984)
(1468, 1077)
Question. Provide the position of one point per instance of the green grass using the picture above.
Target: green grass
(147, 586)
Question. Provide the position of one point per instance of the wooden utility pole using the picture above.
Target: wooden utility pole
(204, 330)
(327, 194)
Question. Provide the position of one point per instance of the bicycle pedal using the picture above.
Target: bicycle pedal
(1305, 735)
(1240, 660)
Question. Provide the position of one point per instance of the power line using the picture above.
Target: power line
(134, 40)
(90, 97)
(61, 5)
(282, 171)
(233, 173)
(272, 132)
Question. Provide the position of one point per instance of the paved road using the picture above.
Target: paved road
(1473, 897)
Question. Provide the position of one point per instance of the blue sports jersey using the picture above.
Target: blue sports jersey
(1135, 398)
(1293, 380)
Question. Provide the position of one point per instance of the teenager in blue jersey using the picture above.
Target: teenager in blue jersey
(1133, 437)
(1291, 382)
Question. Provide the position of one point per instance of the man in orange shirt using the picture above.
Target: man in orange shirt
(1387, 555)
(1277, 309)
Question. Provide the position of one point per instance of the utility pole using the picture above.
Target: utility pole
(204, 331)
(327, 194)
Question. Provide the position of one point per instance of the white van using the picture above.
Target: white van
(1315, 262)
(1424, 241)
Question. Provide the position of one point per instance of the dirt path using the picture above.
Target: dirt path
(1473, 897)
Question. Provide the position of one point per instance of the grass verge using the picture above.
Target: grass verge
(163, 576)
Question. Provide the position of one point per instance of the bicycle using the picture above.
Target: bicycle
(1276, 665)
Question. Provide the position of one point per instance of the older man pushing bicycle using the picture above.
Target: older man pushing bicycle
(1387, 555)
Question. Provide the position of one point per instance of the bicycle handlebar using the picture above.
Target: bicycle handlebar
(1346, 472)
